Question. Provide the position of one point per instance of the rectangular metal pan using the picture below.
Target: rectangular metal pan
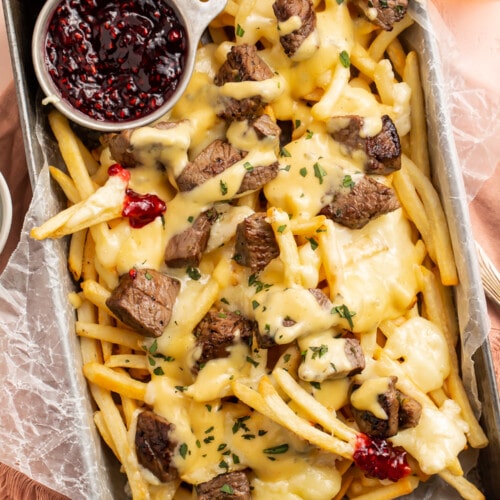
(98, 472)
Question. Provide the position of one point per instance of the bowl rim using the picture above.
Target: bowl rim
(5, 212)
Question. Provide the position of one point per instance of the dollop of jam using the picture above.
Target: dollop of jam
(115, 60)
(141, 209)
(379, 459)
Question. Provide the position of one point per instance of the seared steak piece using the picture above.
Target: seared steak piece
(243, 64)
(258, 177)
(144, 299)
(379, 427)
(264, 126)
(217, 157)
(367, 200)
(383, 150)
(154, 446)
(225, 487)
(255, 243)
(220, 329)
(186, 248)
(384, 13)
(410, 411)
(213, 160)
(355, 355)
(284, 10)
(402, 412)
(120, 145)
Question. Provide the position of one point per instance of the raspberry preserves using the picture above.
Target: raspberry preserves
(115, 60)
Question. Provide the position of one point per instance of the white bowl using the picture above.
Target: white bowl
(5, 212)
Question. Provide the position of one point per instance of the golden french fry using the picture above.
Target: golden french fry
(66, 184)
(118, 433)
(114, 381)
(385, 38)
(397, 56)
(102, 205)
(403, 487)
(111, 334)
(76, 252)
(467, 490)
(73, 153)
(315, 410)
(437, 221)
(418, 132)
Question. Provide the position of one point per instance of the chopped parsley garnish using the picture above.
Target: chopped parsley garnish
(286, 168)
(180, 388)
(297, 123)
(344, 312)
(303, 171)
(240, 424)
(345, 60)
(319, 172)
(158, 371)
(239, 31)
(314, 244)
(309, 134)
(252, 361)
(248, 166)
(227, 488)
(223, 187)
(318, 352)
(347, 182)
(183, 450)
(193, 273)
(281, 228)
(284, 152)
(259, 285)
(190, 218)
(276, 450)
(316, 385)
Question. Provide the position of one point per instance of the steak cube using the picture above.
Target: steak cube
(367, 200)
(225, 487)
(185, 249)
(383, 150)
(255, 243)
(243, 64)
(153, 445)
(219, 330)
(304, 10)
(374, 425)
(143, 300)
(213, 160)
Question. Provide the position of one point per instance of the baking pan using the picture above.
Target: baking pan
(85, 468)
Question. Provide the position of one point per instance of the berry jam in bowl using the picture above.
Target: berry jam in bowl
(115, 64)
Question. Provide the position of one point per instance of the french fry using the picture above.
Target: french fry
(73, 153)
(114, 381)
(118, 433)
(127, 361)
(268, 402)
(315, 410)
(102, 205)
(418, 132)
(385, 38)
(66, 184)
(76, 252)
(111, 334)
(437, 222)
(403, 487)
(466, 489)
